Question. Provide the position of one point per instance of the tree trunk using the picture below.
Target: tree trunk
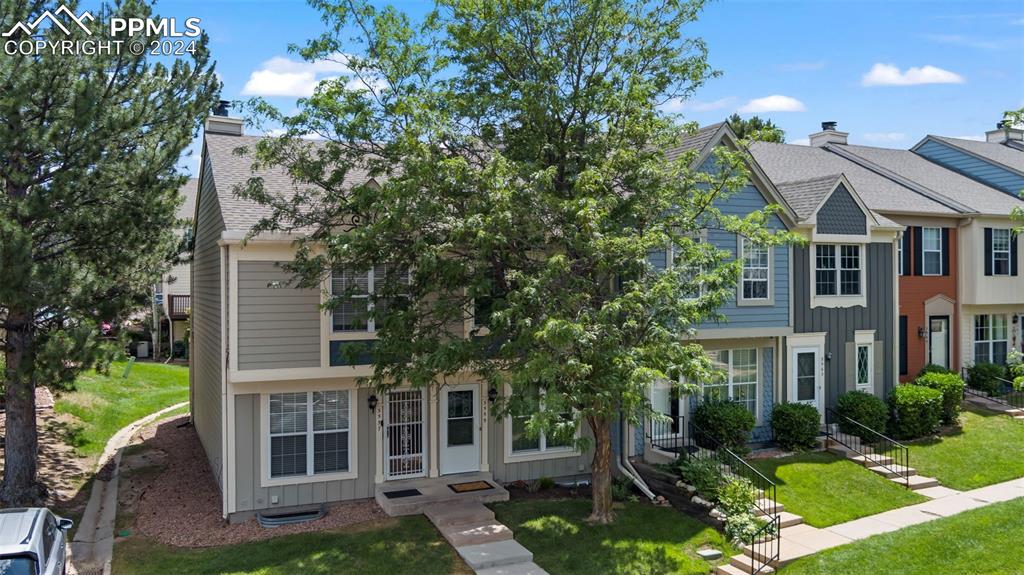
(21, 443)
(601, 472)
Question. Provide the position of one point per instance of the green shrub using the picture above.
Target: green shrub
(985, 377)
(622, 490)
(865, 409)
(726, 421)
(736, 499)
(1015, 364)
(952, 388)
(796, 425)
(1018, 383)
(916, 411)
(704, 475)
(932, 368)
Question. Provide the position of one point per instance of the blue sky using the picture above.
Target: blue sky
(888, 71)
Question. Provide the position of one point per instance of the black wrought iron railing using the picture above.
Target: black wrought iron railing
(1005, 394)
(666, 433)
(764, 545)
(873, 447)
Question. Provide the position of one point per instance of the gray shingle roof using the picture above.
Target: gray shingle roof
(789, 163)
(948, 183)
(1010, 156)
(230, 170)
(695, 141)
(805, 195)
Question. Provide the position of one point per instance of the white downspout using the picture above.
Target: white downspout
(625, 467)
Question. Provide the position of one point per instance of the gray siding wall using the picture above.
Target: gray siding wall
(983, 171)
(207, 411)
(560, 468)
(250, 496)
(278, 327)
(840, 323)
(841, 215)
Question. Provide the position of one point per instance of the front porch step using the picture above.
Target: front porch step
(498, 554)
(770, 508)
(787, 519)
(872, 460)
(741, 564)
(478, 534)
(517, 569)
(434, 493)
(916, 482)
(891, 471)
(459, 513)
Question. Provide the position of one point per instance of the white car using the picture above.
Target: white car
(33, 541)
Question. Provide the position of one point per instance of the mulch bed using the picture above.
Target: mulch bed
(179, 504)
(520, 491)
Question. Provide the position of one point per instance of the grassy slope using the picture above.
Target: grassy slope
(103, 404)
(406, 545)
(825, 489)
(644, 539)
(989, 449)
(981, 541)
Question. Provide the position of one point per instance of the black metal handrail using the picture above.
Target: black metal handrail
(876, 449)
(765, 544)
(1008, 396)
(666, 433)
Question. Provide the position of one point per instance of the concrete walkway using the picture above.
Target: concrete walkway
(995, 406)
(802, 540)
(483, 543)
(93, 546)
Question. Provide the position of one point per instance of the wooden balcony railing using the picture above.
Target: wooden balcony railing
(178, 306)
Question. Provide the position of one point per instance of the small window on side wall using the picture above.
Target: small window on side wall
(755, 271)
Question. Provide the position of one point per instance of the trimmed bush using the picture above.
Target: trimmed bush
(984, 377)
(952, 388)
(727, 421)
(1018, 383)
(865, 409)
(796, 425)
(704, 475)
(932, 368)
(916, 411)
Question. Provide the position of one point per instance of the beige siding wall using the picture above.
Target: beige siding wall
(206, 354)
(181, 276)
(278, 325)
(975, 287)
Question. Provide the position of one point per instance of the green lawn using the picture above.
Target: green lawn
(406, 545)
(103, 404)
(980, 542)
(826, 489)
(642, 540)
(988, 449)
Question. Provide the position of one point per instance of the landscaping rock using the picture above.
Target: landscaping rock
(717, 513)
(710, 554)
(697, 500)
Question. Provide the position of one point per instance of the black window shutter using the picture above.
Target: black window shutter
(918, 253)
(1014, 240)
(988, 251)
(945, 251)
(906, 251)
(903, 345)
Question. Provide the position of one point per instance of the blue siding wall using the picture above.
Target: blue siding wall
(988, 173)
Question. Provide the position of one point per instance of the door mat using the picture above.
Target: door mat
(470, 486)
(402, 493)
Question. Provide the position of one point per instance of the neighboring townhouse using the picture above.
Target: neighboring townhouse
(960, 292)
(275, 403)
(175, 289)
(997, 162)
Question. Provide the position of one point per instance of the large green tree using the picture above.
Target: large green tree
(88, 149)
(754, 128)
(519, 170)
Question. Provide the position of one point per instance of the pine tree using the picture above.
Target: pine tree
(88, 149)
(754, 128)
(517, 156)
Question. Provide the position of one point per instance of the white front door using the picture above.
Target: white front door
(405, 434)
(806, 384)
(938, 341)
(460, 429)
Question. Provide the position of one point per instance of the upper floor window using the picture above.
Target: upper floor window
(1001, 252)
(931, 251)
(755, 270)
(740, 382)
(990, 339)
(353, 313)
(837, 270)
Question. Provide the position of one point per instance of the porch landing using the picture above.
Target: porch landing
(435, 491)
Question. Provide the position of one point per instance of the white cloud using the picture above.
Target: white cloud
(885, 136)
(280, 76)
(889, 75)
(774, 103)
(802, 66)
(676, 105)
(801, 142)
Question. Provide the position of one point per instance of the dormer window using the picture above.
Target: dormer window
(837, 276)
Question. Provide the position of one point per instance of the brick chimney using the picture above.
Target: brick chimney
(1004, 132)
(828, 135)
(220, 123)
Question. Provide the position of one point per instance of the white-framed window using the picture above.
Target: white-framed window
(837, 269)
(309, 433)
(1001, 252)
(352, 314)
(865, 367)
(522, 443)
(755, 271)
(991, 335)
(931, 251)
(740, 382)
